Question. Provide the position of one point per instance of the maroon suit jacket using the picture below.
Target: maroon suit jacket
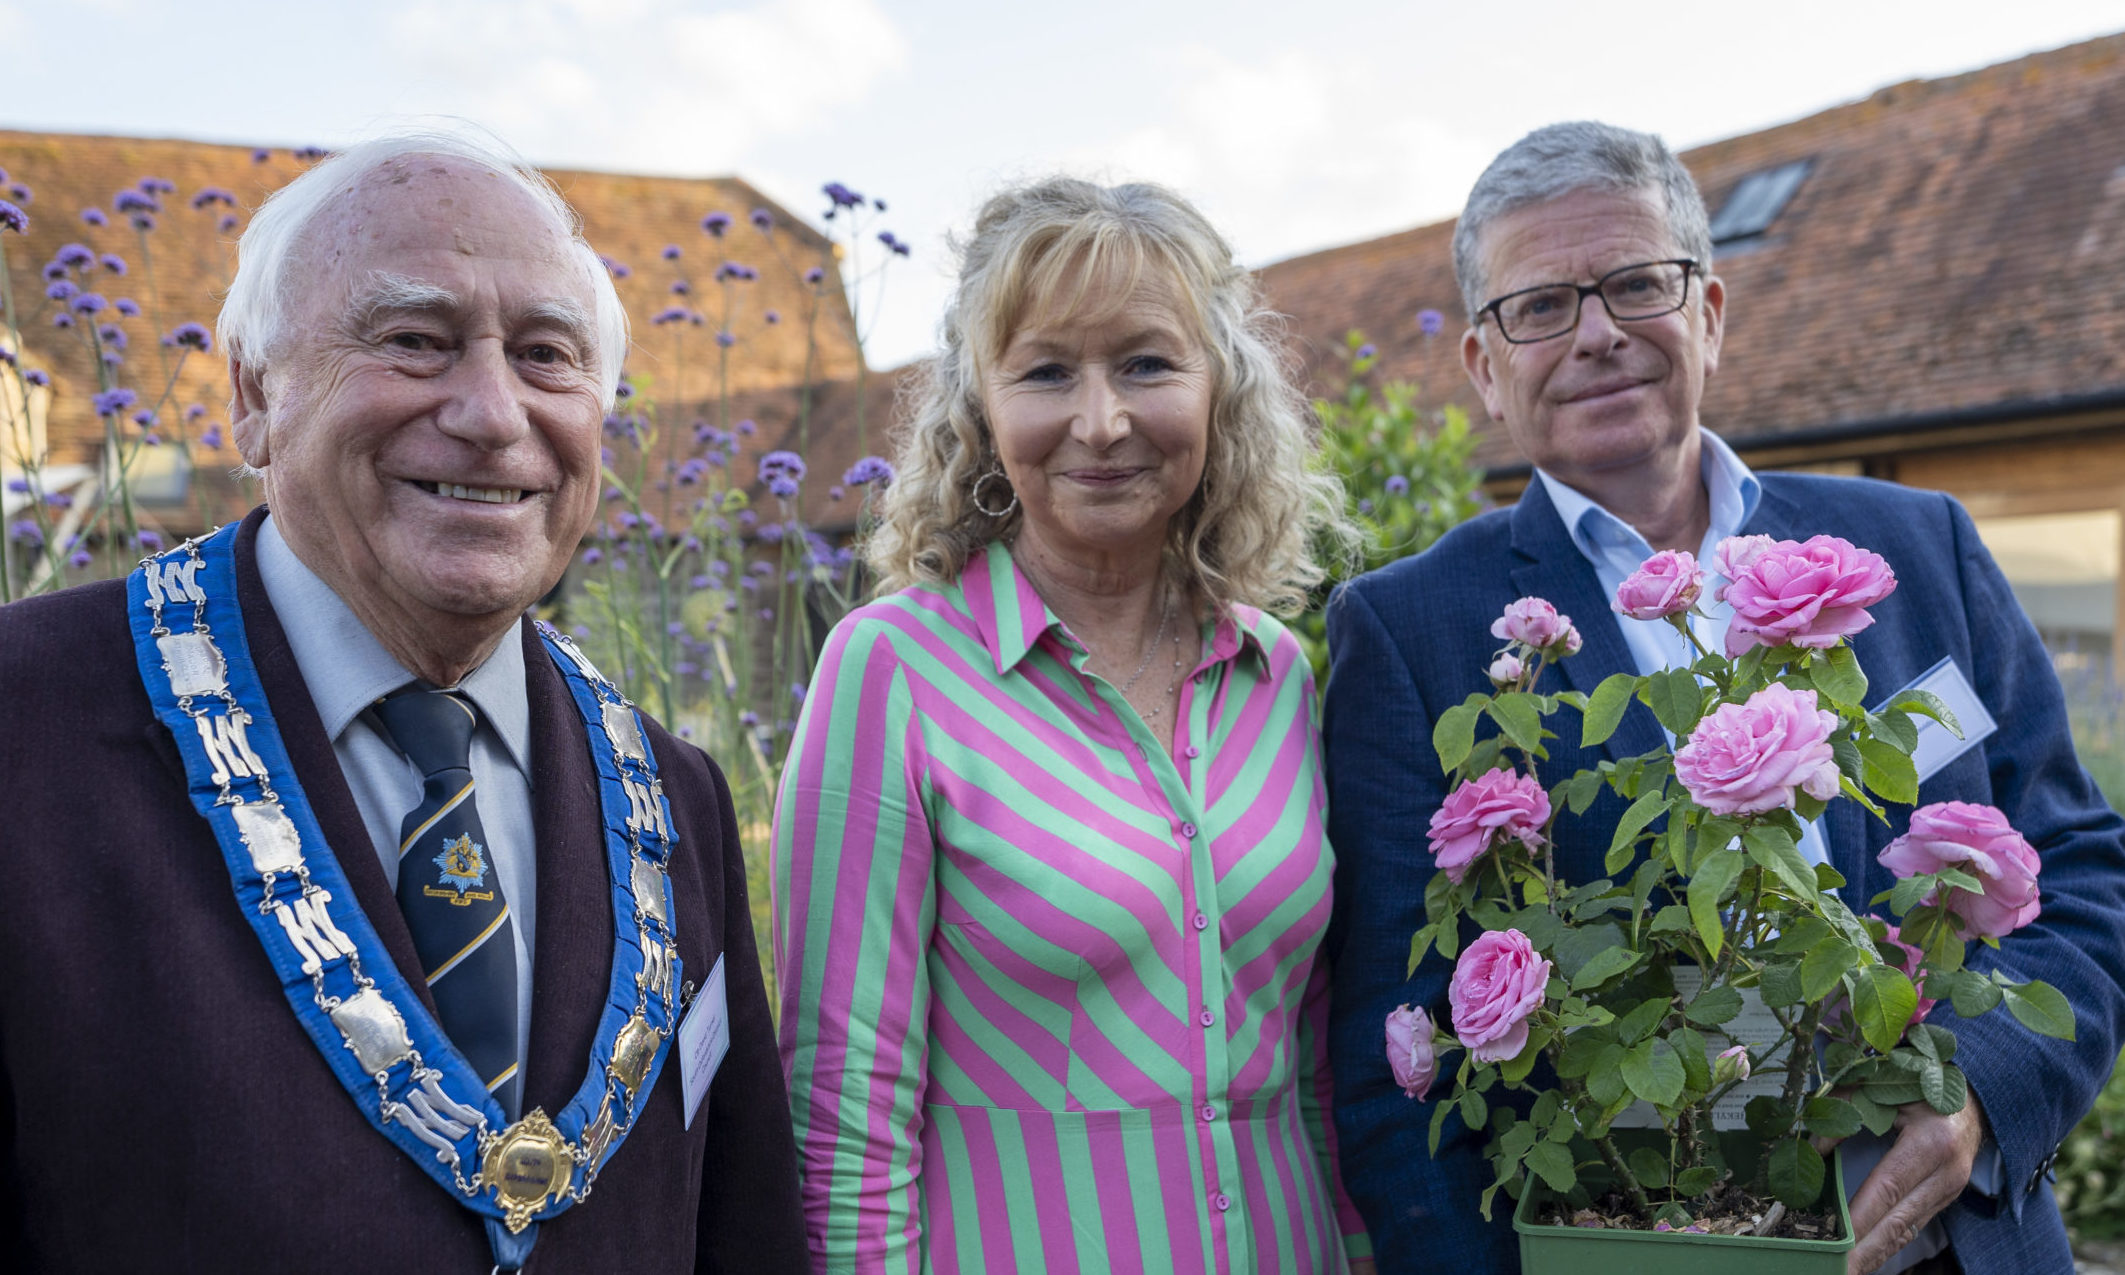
(160, 1107)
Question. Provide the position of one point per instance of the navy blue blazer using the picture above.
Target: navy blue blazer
(1414, 637)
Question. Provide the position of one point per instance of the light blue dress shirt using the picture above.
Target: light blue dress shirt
(1615, 549)
(346, 670)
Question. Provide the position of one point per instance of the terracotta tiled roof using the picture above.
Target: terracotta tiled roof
(1958, 245)
(185, 265)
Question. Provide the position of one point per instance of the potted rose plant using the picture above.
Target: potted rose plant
(1649, 1019)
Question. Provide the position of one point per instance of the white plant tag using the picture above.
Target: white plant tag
(704, 1037)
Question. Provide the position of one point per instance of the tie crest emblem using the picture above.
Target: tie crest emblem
(464, 868)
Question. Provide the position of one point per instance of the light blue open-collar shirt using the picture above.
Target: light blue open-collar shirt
(346, 670)
(1614, 549)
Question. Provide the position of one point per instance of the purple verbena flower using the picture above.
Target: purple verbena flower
(871, 469)
(672, 314)
(227, 223)
(726, 340)
(842, 196)
(112, 336)
(37, 376)
(195, 411)
(212, 195)
(1367, 350)
(747, 427)
(63, 290)
(62, 320)
(127, 307)
(716, 223)
(94, 217)
(150, 540)
(814, 275)
(135, 201)
(145, 420)
(89, 302)
(13, 218)
(20, 486)
(680, 287)
(112, 402)
(78, 559)
(19, 193)
(310, 154)
(211, 439)
(192, 336)
(1430, 322)
(157, 186)
(56, 499)
(26, 533)
(1397, 485)
(113, 263)
(75, 255)
(261, 155)
(773, 317)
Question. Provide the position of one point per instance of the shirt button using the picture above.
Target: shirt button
(1188, 831)
(1202, 922)
(1209, 1113)
(1206, 1018)
(1221, 1201)
(1193, 751)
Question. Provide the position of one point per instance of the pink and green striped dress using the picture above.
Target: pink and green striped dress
(1050, 997)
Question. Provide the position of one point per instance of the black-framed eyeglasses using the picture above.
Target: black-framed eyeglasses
(1643, 291)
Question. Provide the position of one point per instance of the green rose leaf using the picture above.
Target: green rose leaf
(1519, 715)
(1882, 1001)
(1603, 966)
(1877, 1118)
(1888, 772)
(1840, 678)
(1894, 726)
(2040, 1008)
(1553, 1164)
(1714, 877)
(1773, 849)
(1474, 1110)
(1455, 733)
(1929, 705)
(1824, 964)
(1583, 788)
(1831, 1117)
(1604, 709)
(1676, 699)
(1649, 806)
(1604, 1084)
(1697, 1181)
(1653, 1072)
(1973, 993)
(1780, 984)
(1640, 1022)
(1796, 1172)
(1696, 1064)
(1714, 1005)
(1650, 1168)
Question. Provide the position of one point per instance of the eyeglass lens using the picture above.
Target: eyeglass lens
(1634, 292)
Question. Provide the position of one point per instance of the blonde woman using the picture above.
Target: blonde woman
(1049, 870)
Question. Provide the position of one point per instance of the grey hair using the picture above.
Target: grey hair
(254, 315)
(1266, 512)
(1556, 160)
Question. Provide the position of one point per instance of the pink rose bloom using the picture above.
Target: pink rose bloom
(1808, 593)
(1410, 1051)
(1507, 669)
(1734, 553)
(1978, 840)
(1495, 804)
(1497, 983)
(1667, 584)
(1536, 623)
(1747, 758)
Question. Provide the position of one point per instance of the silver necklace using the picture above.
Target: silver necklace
(1165, 618)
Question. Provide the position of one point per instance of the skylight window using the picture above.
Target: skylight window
(1756, 201)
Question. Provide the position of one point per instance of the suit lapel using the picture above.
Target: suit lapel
(572, 960)
(316, 765)
(1547, 564)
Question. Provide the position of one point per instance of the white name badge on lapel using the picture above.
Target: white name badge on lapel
(704, 1037)
(1937, 745)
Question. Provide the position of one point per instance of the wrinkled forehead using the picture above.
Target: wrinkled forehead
(434, 207)
(1576, 236)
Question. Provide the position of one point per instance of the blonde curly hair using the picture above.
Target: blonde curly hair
(1265, 513)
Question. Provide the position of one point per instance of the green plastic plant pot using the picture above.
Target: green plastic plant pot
(1572, 1250)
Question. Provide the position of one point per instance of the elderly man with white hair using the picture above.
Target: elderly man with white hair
(352, 921)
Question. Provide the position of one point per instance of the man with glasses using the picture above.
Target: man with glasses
(1584, 259)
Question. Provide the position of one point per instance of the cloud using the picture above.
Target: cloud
(1297, 151)
(652, 86)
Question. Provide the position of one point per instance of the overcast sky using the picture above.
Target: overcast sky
(1292, 130)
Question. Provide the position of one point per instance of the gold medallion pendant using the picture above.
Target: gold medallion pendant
(527, 1166)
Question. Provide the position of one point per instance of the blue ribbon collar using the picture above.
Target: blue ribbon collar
(372, 1029)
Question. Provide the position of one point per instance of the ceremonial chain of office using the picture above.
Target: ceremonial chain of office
(373, 1030)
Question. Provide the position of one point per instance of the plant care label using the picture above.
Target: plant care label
(704, 1037)
(1937, 745)
(1756, 1027)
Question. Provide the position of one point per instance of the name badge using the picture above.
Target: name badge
(1937, 745)
(704, 1037)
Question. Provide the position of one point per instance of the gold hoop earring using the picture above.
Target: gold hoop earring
(974, 495)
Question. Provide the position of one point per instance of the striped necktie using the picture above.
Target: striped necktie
(449, 890)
